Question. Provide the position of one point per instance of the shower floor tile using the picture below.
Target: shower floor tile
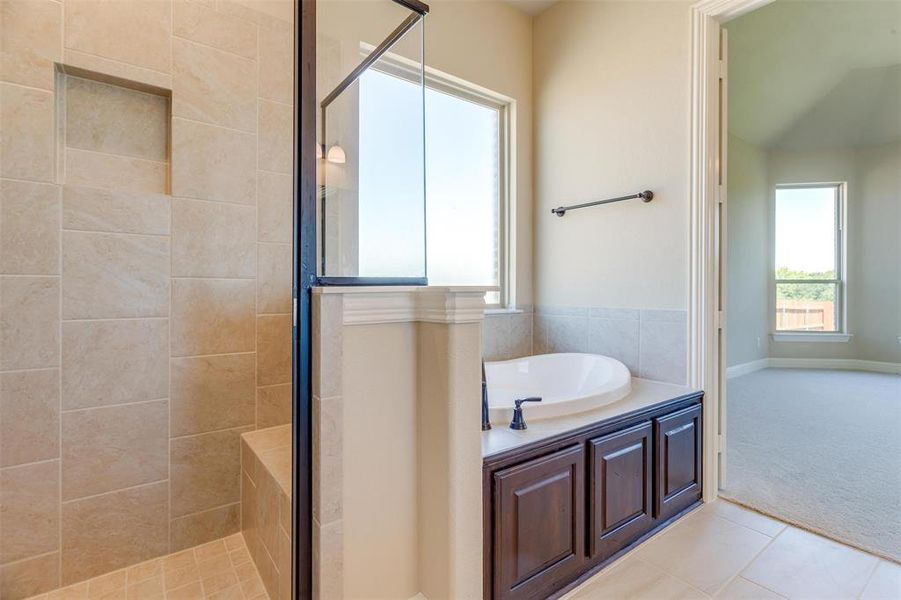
(217, 570)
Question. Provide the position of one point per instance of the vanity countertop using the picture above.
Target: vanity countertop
(500, 438)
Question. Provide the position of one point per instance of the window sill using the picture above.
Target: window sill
(503, 311)
(786, 336)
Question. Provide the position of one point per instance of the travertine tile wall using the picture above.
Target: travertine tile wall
(652, 343)
(507, 335)
(266, 506)
(145, 273)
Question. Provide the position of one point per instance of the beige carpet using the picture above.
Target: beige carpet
(820, 449)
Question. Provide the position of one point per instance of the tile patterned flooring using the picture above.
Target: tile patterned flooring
(720, 551)
(727, 552)
(218, 570)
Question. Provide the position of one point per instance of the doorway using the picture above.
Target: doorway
(804, 377)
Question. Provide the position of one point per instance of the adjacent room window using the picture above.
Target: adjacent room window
(810, 258)
(467, 206)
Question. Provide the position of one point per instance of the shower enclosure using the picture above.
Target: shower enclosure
(371, 142)
(146, 264)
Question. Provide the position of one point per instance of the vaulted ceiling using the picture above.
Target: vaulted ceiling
(816, 74)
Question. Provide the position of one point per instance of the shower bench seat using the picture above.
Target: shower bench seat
(266, 505)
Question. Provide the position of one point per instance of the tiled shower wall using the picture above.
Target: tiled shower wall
(652, 343)
(145, 274)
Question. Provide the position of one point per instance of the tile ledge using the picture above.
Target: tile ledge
(405, 304)
(271, 446)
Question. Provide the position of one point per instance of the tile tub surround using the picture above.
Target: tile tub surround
(644, 393)
(215, 570)
(507, 334)
(143, 246)
(652, 343)
(266, 505)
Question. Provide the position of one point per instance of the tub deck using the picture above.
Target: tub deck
(644, 393)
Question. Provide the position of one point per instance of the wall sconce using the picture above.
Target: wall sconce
(336, 155)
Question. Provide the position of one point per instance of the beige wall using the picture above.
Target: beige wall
(611, 118)
(381, 462)
(874, 225)
(397, 477)
(877, 258)
(497, 56)
(748, 267)
(145, 274)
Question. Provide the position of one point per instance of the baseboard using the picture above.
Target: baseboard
(839, 364)
(846, 364)
(748, 367)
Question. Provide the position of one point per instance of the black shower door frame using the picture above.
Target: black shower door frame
(304, 280)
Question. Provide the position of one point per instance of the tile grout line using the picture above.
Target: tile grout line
(226, 429)
(59, 126)
(256, 295)
(116, 155)
(115, 233)
(201, 511)
(115, 491)
(104, 319)
(65, 411)
(683, 522)
(43, 461)
(679, 579)
(210, 200)
(28, 87)
(169, 203)
(176, 36)
(247, 132)
(27, 558)
(114, 60)
(750, 562)
(866, 583)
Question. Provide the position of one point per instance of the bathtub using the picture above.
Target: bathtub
(567, 383)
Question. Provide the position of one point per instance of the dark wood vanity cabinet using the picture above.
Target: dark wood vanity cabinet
(619, 499)
(541, 516)
(678, 445)
(558, 510)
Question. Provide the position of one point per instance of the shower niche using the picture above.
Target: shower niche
(112, 133)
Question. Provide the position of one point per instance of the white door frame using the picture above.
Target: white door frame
(706, 191)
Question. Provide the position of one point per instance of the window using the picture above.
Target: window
(466, 179)
(809, 258)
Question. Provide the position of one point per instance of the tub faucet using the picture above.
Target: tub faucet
(486, 422)
(518, 422)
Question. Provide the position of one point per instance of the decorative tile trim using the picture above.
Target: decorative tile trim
(380, 304)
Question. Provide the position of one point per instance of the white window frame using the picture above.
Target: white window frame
(401, 67)
(841, 260)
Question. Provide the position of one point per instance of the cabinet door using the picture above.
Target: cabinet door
(539, 524)
(619, 489)
(678, 442)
